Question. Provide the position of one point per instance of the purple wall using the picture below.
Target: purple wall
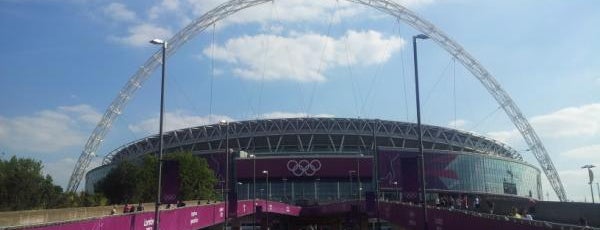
(187, 218)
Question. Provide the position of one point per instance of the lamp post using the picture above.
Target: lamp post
(268, 196)
(591, 176)
(397, 193)
(351, 185)
(285, 190)
(358, 176)
(253, 189)
(419, 128)
(598, 190)
(160, 131)
(317, 189)
(227, 162)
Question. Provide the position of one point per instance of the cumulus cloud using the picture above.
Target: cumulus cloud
(303, 56)
(293, 11)
(458, 123)
(139, 35)
(570, 122)
(277, 114)
(47, 131)
(582, 121)
(119, 12)
(175, 120)
(590, 153)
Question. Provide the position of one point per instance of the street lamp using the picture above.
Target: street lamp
(285, 199)
(268, 196)
(598, 190)
(253, 189)
(227, 162)
(591, 176)
(317, 189)
(160, 130)
(351, 185)
(358, 176)
(419, 128)
(397, 193)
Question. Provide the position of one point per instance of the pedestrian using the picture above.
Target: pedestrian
(491, 206)
(126, 208)
(476, 203)
(466, 202)
(113, 211)
(140, 207)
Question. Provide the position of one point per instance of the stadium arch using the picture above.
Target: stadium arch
(389, 7)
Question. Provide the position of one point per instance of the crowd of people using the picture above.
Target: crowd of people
(474, 203)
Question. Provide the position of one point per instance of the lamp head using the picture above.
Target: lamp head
(265, 172)
(422, 36)
(588, 166)
(157, 41)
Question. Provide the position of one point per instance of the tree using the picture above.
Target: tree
(22, 185)
(128, 182)
(197, 179)
(121, 184)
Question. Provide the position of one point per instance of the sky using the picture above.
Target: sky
(63, 62)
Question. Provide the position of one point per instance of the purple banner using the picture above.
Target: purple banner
(170, 182)
(305, 167)
(187, 218)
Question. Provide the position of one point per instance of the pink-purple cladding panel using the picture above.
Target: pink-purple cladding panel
(187, 218)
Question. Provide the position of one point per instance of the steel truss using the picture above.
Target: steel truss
(310, 135)
(385, 6)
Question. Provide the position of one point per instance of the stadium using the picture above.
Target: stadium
(309, 161)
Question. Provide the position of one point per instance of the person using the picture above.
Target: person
(466, 202)
(140, 207)
(527, 216)
(491, 206)
(113, 211)
(516, 214)
(180, 204)
(126, 208)
(437, 202)
(476, 203)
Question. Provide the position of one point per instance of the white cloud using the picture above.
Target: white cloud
(277, 114)
(175, 120)
(582, 121)
(458, 123)
(293, 11)
(591, 152)
(570, 122)
(303, 57)
(84, 112)
(139, 35)
(119, 12)
(47, 131)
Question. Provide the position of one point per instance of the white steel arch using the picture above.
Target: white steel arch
(385, 6)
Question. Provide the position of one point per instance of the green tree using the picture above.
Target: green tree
(121, 184)
(137, 183)
(197, 179)
(23, 186)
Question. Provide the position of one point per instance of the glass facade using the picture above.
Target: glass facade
(484, 174)
(454, 172)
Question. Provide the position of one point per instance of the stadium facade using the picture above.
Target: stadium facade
(321, 160)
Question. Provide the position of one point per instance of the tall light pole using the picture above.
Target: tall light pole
(227, 162)
(351, 185)
(253, 189)
(160, 131)
(419, 128)
(591, 176)
(285, 190)
(598, 190)
(268, 196)
(358, 176)
(397, 193)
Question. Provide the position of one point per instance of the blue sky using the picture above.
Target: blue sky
(63, 62)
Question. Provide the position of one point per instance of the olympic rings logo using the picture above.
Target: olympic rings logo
(304, 167)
